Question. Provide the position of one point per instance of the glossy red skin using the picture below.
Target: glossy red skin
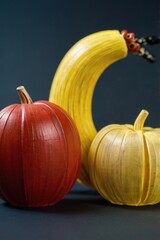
(40, 154)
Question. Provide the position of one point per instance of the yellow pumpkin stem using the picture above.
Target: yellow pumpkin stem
(23, 95)
(140, 120)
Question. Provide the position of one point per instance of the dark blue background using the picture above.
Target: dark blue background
(34, 36)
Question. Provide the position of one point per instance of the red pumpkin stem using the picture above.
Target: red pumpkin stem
(140, 120)
(23, 95)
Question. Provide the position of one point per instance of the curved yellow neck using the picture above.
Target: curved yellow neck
(74, 82)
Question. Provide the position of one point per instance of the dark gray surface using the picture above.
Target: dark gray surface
(82, 214)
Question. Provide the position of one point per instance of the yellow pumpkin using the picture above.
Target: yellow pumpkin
(124, 163)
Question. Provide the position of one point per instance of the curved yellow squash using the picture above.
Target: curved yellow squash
(75, 79)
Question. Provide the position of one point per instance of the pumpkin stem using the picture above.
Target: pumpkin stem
(140, 120)
(23, 95)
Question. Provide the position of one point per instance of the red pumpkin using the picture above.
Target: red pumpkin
(39, 153)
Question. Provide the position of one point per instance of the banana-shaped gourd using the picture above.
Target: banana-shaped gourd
(75, 79)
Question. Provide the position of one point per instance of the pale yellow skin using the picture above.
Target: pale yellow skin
(124, 163)
(75, 79)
